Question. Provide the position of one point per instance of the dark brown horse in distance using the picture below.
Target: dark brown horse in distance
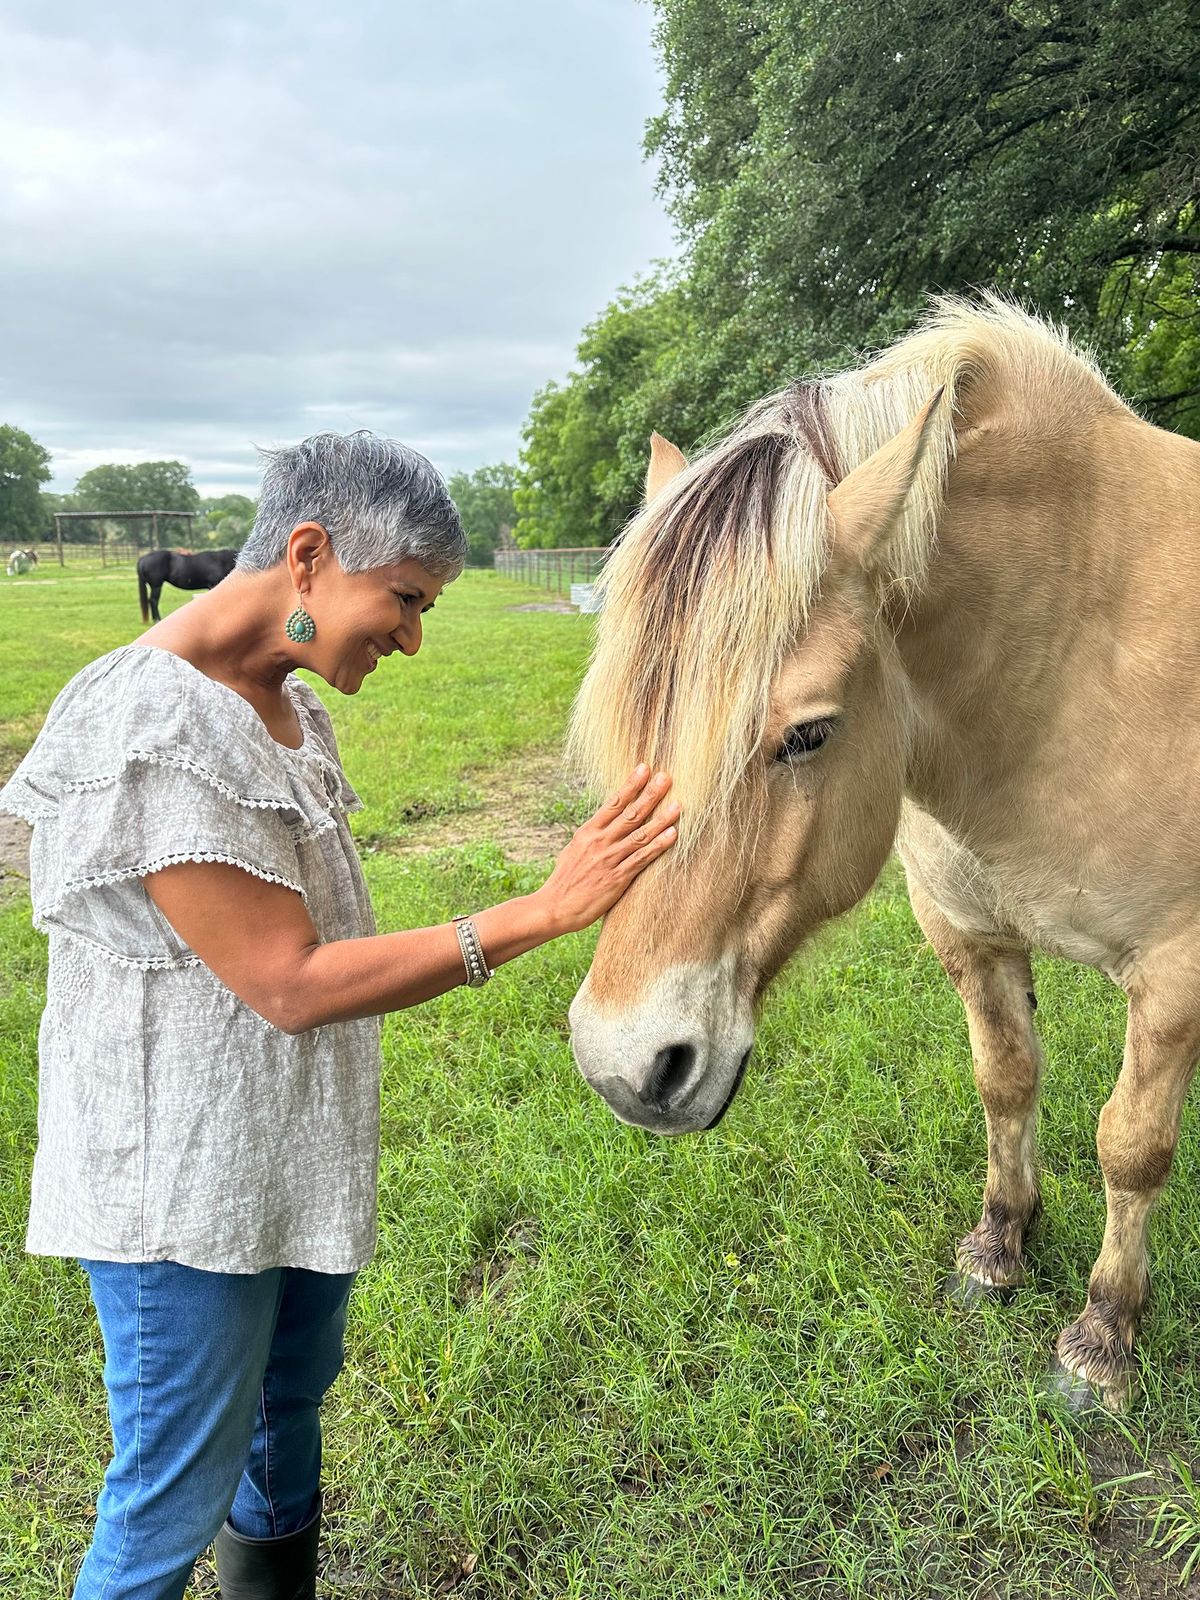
(156, 567)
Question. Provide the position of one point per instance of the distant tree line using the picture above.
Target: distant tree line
(830, 165)
(485, 503)
(484, 499)
(27, 510)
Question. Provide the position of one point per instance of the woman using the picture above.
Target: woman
(209, 1112)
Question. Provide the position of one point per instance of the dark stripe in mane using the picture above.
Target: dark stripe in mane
(719, 526)
(721, 519)
(804, 407)
(731, 502)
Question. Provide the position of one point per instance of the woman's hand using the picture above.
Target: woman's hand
(259, 940)
(608, 851)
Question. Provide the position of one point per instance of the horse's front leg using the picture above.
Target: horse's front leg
(155, 593)
(995, 985)
(1135, 1140)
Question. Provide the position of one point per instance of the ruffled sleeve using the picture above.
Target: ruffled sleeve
(323, 742)
(144, 762)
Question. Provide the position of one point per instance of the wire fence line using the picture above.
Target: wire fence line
(109, 553)
(555, 570)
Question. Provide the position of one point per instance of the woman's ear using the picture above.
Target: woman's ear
(307, 543)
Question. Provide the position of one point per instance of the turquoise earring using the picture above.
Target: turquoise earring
(300, 627)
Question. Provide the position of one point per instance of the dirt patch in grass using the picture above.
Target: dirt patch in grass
(1124, 1532)
(14, 851)
(561, 606)
(493, 1271)
(527, 808)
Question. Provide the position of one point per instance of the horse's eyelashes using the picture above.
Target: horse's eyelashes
(804, 739)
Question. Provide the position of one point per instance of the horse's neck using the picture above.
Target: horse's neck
(1066, 572)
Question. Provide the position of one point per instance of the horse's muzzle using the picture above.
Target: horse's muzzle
(666, 1063)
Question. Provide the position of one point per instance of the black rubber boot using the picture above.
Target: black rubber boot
(268, 1569)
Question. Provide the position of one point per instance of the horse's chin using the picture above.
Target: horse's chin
(734, 1087)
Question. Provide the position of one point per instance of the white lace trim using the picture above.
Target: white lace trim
(14, 801)
(137, 963)
(185, 764)
(157, 758)
(101, 880)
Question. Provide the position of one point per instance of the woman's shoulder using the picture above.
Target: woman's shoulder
(132, 691)
(142, 704)
(128, 663)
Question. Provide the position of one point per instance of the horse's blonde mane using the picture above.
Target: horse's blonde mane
(710, 586)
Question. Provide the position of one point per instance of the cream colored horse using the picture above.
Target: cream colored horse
(950, 600)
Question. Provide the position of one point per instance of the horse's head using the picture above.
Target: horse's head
(743, 646)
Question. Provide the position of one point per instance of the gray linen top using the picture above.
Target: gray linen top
(174, 1122)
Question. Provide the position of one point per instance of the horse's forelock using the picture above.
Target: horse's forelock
(701, 596)
(712, 582)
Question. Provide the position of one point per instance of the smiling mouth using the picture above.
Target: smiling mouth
(374, 652)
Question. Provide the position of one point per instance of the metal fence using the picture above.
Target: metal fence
(108, 554)
(555, 570)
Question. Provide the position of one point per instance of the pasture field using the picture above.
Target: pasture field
(588, 1364)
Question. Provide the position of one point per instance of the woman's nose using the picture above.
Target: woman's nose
(409, 637)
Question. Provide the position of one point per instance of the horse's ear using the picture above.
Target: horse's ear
(868, 500)
(667, 461)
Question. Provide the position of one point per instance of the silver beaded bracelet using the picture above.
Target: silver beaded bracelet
(478, 971)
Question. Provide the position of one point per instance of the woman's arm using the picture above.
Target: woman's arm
(260, 940)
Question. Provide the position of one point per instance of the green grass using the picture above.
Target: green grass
(600, 1364)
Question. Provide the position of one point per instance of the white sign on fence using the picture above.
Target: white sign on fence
(585, 597)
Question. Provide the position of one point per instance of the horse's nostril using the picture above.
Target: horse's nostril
(668, 1075)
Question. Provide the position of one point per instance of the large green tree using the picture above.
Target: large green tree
(24, 467)
(584, 449)
(485, 503)
(140, 486)
(226, 519)
(144, 486)
(831, 165)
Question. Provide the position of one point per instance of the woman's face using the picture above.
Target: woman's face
(361, 617)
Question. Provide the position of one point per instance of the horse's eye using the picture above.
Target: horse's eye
(804, 739)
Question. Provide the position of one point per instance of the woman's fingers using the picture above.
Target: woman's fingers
(634, 826)
(626, 794)
(641, 805)
(649, 840)
(654, 848)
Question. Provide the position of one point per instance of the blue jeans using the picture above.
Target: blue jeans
(214, 1380)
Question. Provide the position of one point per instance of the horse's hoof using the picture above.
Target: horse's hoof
(1079, 1396)
(965, 1289)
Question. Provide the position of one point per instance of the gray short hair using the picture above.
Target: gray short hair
(378, 501)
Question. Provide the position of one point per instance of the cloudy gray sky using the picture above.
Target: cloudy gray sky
(224, 225)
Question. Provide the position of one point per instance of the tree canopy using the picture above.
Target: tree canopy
(830, 166)
(485, 503)
(226, 520)
(144, 486)
(24, 467)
